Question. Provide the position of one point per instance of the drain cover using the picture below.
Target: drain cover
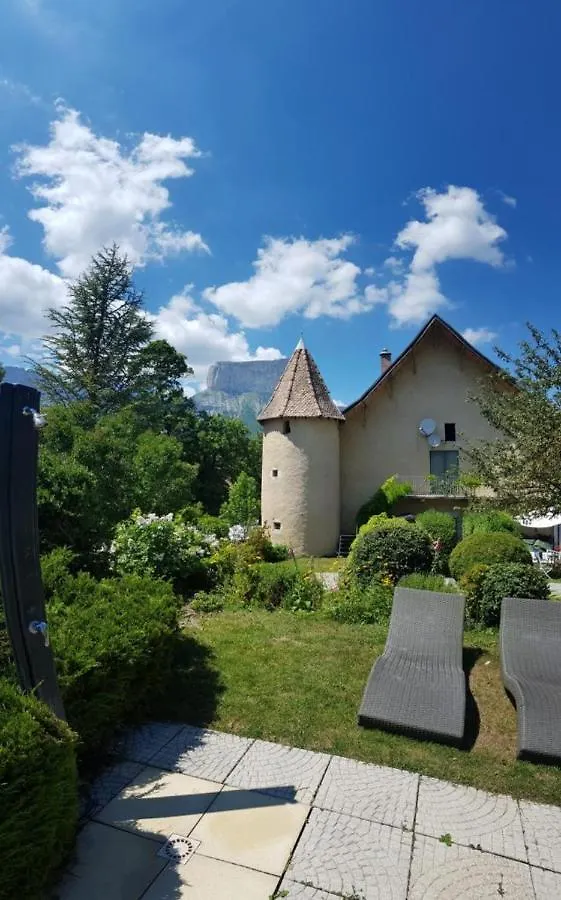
(178, 848)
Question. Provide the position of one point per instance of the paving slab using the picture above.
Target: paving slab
(281, 771)
(140, 744)
(110, 865)
(297, 891)
(342, 854)
(159, 803)
(203, 753)
(542, 828)
(471, 817)
(441, 872)
(250, 829)
(203, 878)
(376, 793)
(547, 885)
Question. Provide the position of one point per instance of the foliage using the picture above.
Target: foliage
(391, 551)
(441, 528)
(208, 602)
(276, 552)
(163, 480)
(382, 520)
(95, 339)
(524, 406)
(488, 521)
(162, 547)
(113, 644)
(272, 586)
(470, 584)
(496, 547)
(384, 499)
(56, 568)
(38, 794)
(355, 605)
(224, 448)
(242, 506)
(491, 584)
(426, 581)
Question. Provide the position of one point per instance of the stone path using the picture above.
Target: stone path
(191, 814)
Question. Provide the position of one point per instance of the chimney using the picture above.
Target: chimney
(385, 360)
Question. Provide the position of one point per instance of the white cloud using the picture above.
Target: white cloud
(93, 192)
(294, 275)
(457, 226)
(479, 335)
(394, 264)
(506, 198)
(204, 337)
(12, 350)
(18, 91)
(370, 271)
(26, 292)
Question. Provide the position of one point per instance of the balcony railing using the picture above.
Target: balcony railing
(448, 485)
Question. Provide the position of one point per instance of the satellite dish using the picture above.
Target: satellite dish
(427, 427)
(434, 441)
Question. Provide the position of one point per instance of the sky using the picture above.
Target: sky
(337, 170)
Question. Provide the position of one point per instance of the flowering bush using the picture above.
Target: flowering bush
(162, 547)
(237, 534)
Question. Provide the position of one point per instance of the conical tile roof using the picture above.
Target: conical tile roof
(301, 392)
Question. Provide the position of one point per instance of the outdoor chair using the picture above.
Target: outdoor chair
(418, 685)
(530, 644)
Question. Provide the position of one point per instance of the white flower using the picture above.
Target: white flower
(237, 533)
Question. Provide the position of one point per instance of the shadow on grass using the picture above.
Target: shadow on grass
(473, 719)
(196, 686)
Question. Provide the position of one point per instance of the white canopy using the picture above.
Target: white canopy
(541, 523)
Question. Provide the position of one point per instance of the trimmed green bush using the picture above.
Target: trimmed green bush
(371, 605)
(38, 794)
(113, 643)
(56, 568)
(384, 499)
(470, 584)
(207, 602)
(499, 581)
(488, 548)
(423, 581)
(382, 520)
(391, 551)
(441, 527)
(489, 521)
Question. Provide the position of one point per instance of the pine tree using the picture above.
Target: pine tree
(96, 338)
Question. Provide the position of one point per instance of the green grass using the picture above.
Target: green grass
(298, 680)
(321, 563)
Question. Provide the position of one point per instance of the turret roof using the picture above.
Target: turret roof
(301, 392)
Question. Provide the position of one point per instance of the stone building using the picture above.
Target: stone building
(321, 464)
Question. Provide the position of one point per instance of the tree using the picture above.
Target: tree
(96, 339)
(157, 393)
(242, 506)
(523, 403)
(164, 481)
(224, 448)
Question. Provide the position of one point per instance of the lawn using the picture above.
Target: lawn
(321, 563)
(298, 679)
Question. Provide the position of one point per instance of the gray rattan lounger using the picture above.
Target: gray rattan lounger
(418, 684)
(530, 641)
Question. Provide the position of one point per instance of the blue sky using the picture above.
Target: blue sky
(341, 169)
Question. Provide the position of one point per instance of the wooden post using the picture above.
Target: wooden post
(20, 571)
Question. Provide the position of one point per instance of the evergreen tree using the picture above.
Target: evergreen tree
(523, 403)
(242, 506)
(96, 339)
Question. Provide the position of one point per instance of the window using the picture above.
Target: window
(275, 473)
(286, 428)
(276, 526)
(449, 431)
(444, 462)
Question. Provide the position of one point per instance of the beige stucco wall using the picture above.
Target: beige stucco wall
(381, 437)
(305, 496)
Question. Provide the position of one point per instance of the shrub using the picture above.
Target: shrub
(38, 794)
(511, 580)
(56, 568)
(391, 551)
(384, 499)
(354, 605)
(382, 520)
(423, 581)
(441, 528)
(208, 602)
(113, 643)
(242, 506)
(470, 584)
(162, 547)
(276, 553)
(489, 521)
(487, 548)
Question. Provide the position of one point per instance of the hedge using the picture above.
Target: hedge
(441, 527)
(489, 521)
(487, 549)
(113, 643)
(38, 794)
(391, 551)
(496, 582)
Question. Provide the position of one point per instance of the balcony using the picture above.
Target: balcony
(447, 485)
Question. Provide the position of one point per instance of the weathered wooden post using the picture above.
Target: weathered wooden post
(20, 571)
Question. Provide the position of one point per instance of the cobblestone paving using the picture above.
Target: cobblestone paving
(289, 823)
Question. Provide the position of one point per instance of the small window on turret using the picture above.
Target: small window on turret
(286, 428)
(275, 473)
(276, 526)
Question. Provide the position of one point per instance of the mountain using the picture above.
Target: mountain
(17, 375)
(240, 390)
